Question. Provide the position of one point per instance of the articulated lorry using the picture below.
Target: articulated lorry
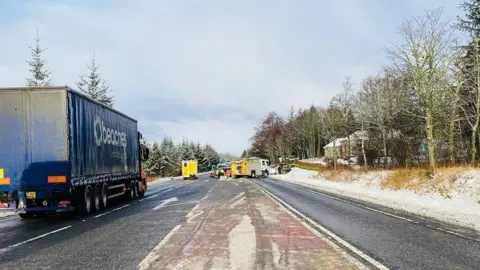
(62, 151)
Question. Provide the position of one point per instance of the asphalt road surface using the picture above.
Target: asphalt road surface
(395, 242)
(118, 238)
(202, 224)
(229, 224)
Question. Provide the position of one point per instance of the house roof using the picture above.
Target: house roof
(337, 142)
(357, 135)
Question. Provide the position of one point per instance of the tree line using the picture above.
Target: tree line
(423, 108)
(166, 157)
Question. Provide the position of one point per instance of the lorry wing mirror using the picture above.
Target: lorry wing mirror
(147, 153)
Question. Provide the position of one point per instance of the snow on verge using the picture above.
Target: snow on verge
(460, 210)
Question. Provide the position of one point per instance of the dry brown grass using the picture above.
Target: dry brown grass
(416, 179)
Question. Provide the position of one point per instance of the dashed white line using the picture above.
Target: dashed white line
(153, 196)
(33, 239)
(113, 210)
(165, 191)
(8, 219)
(165, 202)
(40, 236)
(382, 212)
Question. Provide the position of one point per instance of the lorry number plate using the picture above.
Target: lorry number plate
(31, 194)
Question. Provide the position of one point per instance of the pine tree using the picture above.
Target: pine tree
(40, 75)
(152, 166)
(200, 158)
(94, 86)
(471, 22)
(191, 151)
(185, 150)
(244, 154)
(211, 155)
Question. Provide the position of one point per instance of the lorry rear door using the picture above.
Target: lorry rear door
(33, 137)
(192, 167)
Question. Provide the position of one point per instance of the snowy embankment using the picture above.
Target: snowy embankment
(460, 205)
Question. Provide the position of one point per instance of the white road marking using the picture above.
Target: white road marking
(8, 219)
(165, 202)
(162, 192)
(176, 204)
(153, 196)
(383, 212)
(151, 257)
(33, 239)
(238, 196)
(237, 202)
(321, 228)
(113, 210)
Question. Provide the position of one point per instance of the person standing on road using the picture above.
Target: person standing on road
(280, 168)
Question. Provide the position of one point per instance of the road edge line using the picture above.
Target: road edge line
(152, 257)
(346, 199)
(315, 227)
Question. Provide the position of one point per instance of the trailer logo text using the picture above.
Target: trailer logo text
(104, 135)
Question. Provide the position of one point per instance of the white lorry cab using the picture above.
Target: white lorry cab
(257, 167)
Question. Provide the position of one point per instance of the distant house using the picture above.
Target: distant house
(334, 148)
(346, 147)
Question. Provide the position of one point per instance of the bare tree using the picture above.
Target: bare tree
(456, 80)
(360, 109)
(343, 103)
(40, 75)
(331, 122)
(422, 58)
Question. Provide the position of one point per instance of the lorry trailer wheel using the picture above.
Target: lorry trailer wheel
(85, 202)
(96, 198)
(104, 196)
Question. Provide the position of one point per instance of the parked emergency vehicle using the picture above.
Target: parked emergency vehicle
(189, 169)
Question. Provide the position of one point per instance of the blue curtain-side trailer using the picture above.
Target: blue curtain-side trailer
(62, 151)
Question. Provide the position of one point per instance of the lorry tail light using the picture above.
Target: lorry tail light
(5, 181)
(63, 203)
(57, 179)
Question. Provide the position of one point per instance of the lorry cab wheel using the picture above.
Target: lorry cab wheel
(131, 192)
(135, 189)
(141, 193)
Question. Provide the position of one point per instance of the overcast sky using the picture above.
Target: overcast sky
(207, 70)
